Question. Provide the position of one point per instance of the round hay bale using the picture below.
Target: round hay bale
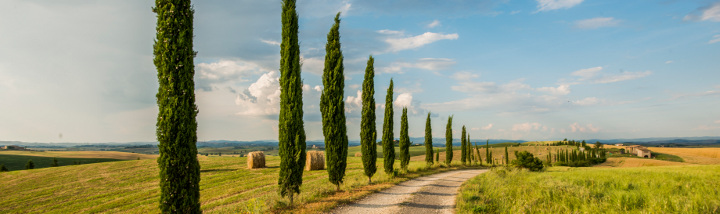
(256, 160)
(358, 154)
(315, 160)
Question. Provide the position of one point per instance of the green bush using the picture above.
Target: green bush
(528, 161)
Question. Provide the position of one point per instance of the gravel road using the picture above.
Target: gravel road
(430, 194)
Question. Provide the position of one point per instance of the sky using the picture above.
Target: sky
(82, 71)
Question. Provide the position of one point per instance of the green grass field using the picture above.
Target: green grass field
(226, 187)
(666, 189)
(17, 162)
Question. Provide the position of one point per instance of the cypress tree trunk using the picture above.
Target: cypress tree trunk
(428, 141)
(404, 141)
(368, 133)
(290, 124)
(448, 142)
(176, 127)
(332, 107)
(463, 147)
(387, 139)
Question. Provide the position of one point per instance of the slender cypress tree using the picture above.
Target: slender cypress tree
(437, 156)
(404, 141)
(428, 141)
(487, 152)
(477, 151)
(332, 107)
(463, 146)
(176, 127)
(471, 157)
(290, 124)
(448, 142)
(368, 133)
(388, 136)
(507, 157)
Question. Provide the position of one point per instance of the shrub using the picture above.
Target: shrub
(527, 160)
(30, 165)
(3, 168)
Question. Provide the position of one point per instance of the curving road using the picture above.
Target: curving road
(430, 194)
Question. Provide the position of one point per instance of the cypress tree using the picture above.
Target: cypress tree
(487, 152)
(368, 133)
(291, 134)
(448, 142)
(469, 149)
(437, 156)
(30, 165)
(404, 141)
(428, 141)
(332, 107)
(507, 157)
(54, 163)
(463, 147)
(176, 127)
(477, 152)
(388, 136)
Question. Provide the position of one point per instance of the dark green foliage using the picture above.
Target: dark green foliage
(30, 165)
(469, 149)
(368, 133)
(290, 124)
(507, 156)
(332, 107)
(428, 141)
(176, 127)
(463, 146)
(437, 156)
(477, 152)
(404, 141)
(3, 168)
(528, 161)
(488, 155)
(55, 162)
(388, 136)
(448, 141)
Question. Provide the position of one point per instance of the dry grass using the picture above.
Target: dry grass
(83, 154)
(637, 162)
(692, 155)
(315, 160)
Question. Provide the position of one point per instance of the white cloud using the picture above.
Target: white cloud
(209, 75)
(430, 64)
(587, 101)
(575, 127)
(433, 24)
(399, 42)
(595, 23)
(560, 90)
(669, 62)
(270, 42)
(312, 65)
(715, 39)
(524, 127)
(709, 13)
(463, 75)
(548, 5)
(595, 75)
(262, 98)
(403, 100)
(391, 32)
(587, 73)
(484, 128)
(353, 104)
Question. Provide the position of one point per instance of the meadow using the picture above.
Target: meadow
(226, 186)
(665, 189)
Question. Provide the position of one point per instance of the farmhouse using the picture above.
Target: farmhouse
(619, 144)
(13, 147)
(643, 152)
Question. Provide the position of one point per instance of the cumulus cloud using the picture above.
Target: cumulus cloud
(595, 23)
(587, 73)
(560, 90)
(314, 65)
(399, 42)
(225, 71)
(715, 39)
(262, 98)
(433, 24)
(587, 101)
(548, 5)
(484, 128)
(430, 64)
(575, 127)
(524, 127)
(354, 104)
(708, 13)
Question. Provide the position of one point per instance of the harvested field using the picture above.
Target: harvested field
(83, 154)
(692, 155)
(637, 162)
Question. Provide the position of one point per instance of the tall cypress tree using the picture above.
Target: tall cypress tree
(368, 133)
(463, 146)
(428, 141)
(176, 127)
(404, 141)
(448, 142)
(488, 156)
(332, 107)
(387, 139)
(290, 124)
(470, 149)
(507, 157)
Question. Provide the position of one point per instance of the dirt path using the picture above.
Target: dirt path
(430, 194)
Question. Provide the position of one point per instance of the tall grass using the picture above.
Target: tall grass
(667, 189)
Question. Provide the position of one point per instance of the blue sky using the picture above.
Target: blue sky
(81, 71)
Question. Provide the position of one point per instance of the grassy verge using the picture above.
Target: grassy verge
(226, 186)
(667, 189)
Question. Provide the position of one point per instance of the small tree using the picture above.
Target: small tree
(30, 165)
(437, 156)
(448, 142)
(54, 163)
(428, 141)
(528, 161)
(463, 146)
(404, 141)
(388, 136)
(3, 168)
